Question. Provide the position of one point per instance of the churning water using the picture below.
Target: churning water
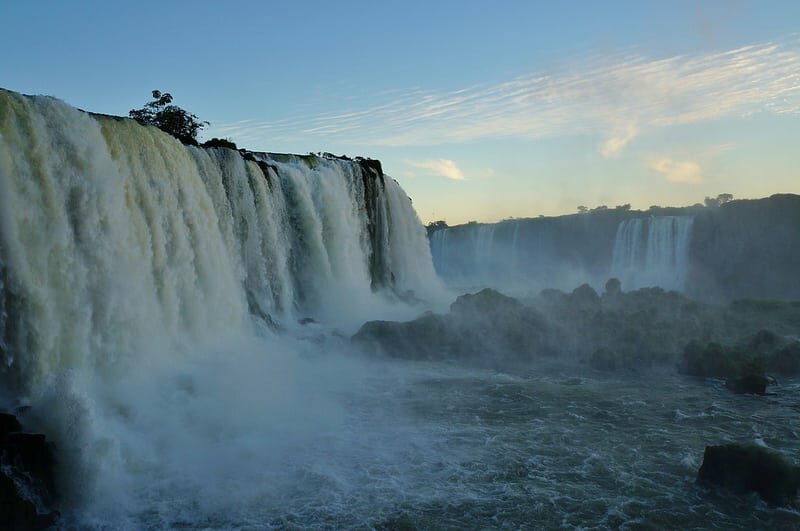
(435, 446)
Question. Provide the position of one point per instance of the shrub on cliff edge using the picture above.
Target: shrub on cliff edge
(169, 118)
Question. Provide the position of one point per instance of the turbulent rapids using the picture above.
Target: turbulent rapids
(225, 339)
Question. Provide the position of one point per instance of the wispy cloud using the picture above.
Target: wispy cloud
(441, 167)
(677, 171)
(615, 143)
(614, 98)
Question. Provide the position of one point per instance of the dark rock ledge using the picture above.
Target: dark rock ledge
(27, 489)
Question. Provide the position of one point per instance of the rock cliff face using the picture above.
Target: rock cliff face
(744, 248)
(747, 249)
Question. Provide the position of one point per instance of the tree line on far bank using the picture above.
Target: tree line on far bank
(708, 202)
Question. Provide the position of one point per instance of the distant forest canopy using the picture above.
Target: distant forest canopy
(708, 202)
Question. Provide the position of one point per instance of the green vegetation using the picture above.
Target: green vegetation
(171, 119)
(721, 199)
(436, 225)
(219, 142)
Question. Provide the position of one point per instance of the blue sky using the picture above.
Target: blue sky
(481, 110)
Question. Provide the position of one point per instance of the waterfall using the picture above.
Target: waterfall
(152, 297)
(652, 252)
(116, 240)
(524, 256)
(517, 256)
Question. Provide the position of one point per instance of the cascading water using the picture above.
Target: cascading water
(474, 256)
(652, 252)
(518, 256)
(179, 240)
(524, 256)
(141, 282)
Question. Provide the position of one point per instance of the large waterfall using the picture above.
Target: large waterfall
(652, 252)
(115, 237)
(144, 286)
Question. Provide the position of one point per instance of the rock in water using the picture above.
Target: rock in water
(752, 383)
(745, 468)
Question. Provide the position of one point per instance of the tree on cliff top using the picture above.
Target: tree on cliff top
(169, 118)
(436, 225)
(721, 199)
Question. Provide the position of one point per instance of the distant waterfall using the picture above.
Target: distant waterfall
(517, 256)
(652, 252)
(527, 255)
(472, 256)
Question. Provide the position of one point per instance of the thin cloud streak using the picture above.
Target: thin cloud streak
(440, 167)
(687, 172)
(614, 98)
(612, 146)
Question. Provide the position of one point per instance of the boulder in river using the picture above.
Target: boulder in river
(749, 468)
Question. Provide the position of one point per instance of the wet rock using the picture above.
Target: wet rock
(27, 484)
(605, 359)
(585, 295)
(743, 371)
(785, 361)
(487, 302)
(764, 341)
(709, 361)
(17, 511)
(749, 468)
(486, 328)
(613, 288)
(752, 383)
(8, 424)
(490, 324)
(553, 296)
(426, 337)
